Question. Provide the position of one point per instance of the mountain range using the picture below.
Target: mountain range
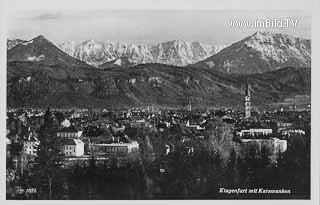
(258, 53)
(39, 73)
(176, 52)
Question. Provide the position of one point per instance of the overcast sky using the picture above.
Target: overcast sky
(209, 26)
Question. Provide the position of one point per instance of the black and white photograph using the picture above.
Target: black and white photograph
(158, 104)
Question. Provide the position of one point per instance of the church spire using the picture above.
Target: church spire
(248, 88)
(189, 105)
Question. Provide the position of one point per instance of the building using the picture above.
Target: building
(228, 119)
(118, 128)
(189, 106)
(30, 146)
(194, 125)
(272, 146)
(72, 147)
(138, 123)
(291, 132)
(247, 102)
(66, 123)
(254, 132)
(116, 146)
(69, 132)
(284, 125)
(258, 148)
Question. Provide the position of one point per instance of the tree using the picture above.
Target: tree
(47, 166)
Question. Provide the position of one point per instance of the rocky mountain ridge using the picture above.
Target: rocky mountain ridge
(261, 52)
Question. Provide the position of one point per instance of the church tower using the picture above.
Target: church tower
(247, 102)
(189, 106)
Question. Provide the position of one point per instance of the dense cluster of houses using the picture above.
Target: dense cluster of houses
(85, 132)
(71, 144)
(71, 138)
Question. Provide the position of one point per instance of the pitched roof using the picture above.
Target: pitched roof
(69, 129)
(66, 141)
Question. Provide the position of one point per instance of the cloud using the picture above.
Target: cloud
(47, 16)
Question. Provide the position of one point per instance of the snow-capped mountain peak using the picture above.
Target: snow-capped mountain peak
(261, 52)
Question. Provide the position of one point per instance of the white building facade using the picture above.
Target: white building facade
(72, 147)
(114, 148)
(254, 132)
(30, 147)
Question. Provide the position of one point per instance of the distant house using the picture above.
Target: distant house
(284, 124)
(69, 132)
(31, 144)
(138, 123)
(228, 119)
(194, 125)
(66, 123)
(118, 129)
(75, 115)
(291, 132)
(72, 147)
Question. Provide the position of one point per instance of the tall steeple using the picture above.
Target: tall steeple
(247, 101)
(189, 106)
